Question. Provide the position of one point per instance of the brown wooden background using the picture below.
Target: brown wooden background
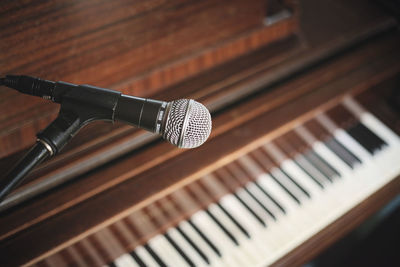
(137, 47)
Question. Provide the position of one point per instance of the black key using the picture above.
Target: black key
(250, 210)
(285, 189)
(359, 136)
(137, 259)
(179, 250)
(295, 183)
(300, 165)
(260, 204)
(205, 238)
(376, 142)
(193, 245)
(372, 135)
(112, 264)
(238, 225)
(223, 228)
(154, 255)
(342, 152)
(270, 197)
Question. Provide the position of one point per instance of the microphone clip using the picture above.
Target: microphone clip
(80, 104)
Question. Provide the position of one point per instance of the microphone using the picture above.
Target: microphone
(184, 123)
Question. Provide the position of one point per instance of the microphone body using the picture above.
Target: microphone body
(144, 113)
(107, 104)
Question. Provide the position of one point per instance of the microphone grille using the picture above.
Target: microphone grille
(188, 123)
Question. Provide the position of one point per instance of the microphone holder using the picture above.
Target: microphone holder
(75, 112)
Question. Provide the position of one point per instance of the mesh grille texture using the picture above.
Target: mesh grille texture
(198, 124)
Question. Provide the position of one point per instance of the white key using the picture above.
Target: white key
(380, 129)
(351, 144)
(271, 206)
(125, 260)
(281, 196)
(345, 155)
(231, 204)
(215, 234)
(275, 231)
(302, 178)
(343, 184)
(292, 209)
(253, 188)
(253, 205)
(369, 167)
(247, 253)
(317, 195)
(392, 140)
(374, 124)
(186, 247)
(285, 181)
(325, 167)
(332, 158)
(341, 136)
(166, 251)
(387, 157)
(201, 244)
(312, 170)
(265, 242)
(145, 256)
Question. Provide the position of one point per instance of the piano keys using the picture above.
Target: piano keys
(259, 206)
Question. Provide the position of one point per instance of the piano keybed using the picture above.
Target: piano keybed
(259, 206)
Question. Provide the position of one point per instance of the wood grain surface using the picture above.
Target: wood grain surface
(137, 47)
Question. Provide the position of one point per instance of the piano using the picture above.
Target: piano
(305, 143)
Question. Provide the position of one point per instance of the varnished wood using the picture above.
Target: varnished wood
(239, 73)
(136, 47)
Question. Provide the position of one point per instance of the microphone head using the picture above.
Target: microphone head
(188, 123)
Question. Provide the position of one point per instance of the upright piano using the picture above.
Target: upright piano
(305, 146)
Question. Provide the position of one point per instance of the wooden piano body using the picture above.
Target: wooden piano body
(298, 92)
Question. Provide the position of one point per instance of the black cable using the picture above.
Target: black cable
(35, 156)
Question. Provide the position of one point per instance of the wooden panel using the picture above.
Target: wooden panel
(138, 47)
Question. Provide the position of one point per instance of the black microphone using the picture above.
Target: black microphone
(184, 122)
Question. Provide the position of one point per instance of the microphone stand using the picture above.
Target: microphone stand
(79, 106)
(49, 142)
(34, 157)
